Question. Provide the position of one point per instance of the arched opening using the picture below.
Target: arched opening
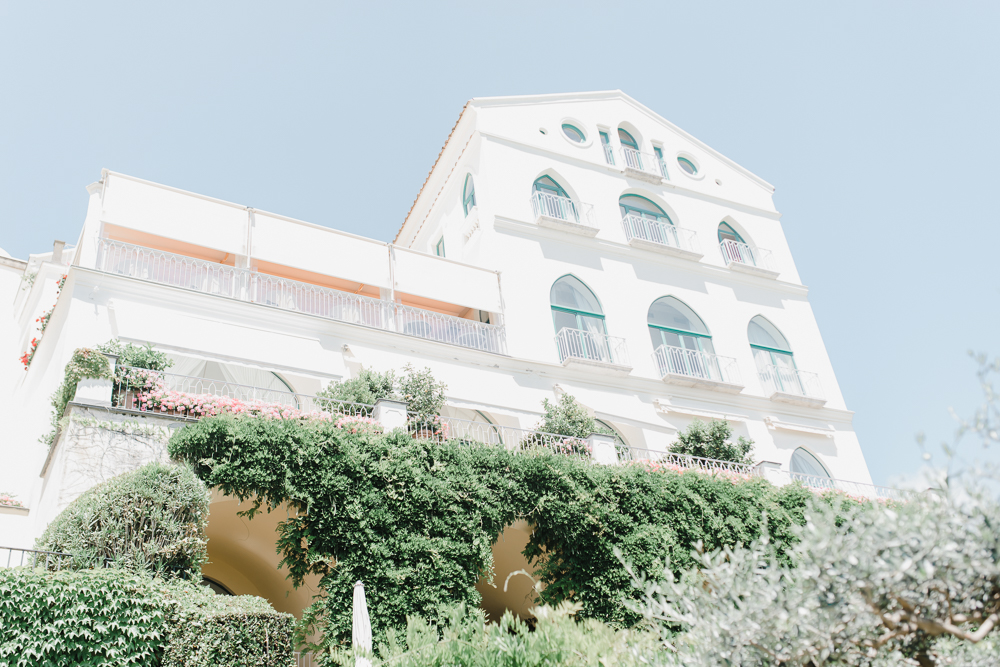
(579, 321)
(681, 340)
(205, 376)
(468, 195)
(550, 199)
(804, 462)
(735, 248)
(642, 218)
(630, 149)
(773, 357)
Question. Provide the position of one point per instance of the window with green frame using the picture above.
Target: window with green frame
(673, 323)
(687, 165)
(548, 185)
(606, 143)
(727, 233)
(439, 247)
(663, 165)
(573, 133)
(468, 194)
(557, 204)
(576, 308)
(642, 207)
(805, 462)
(627, 139)
(773, 356)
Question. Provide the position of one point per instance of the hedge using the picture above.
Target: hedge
(116, 617)
(415, 520)
(151, 519)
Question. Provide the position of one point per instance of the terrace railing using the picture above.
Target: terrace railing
(672, 360)
(591, 346)
(685, 462)
(448, 329)
(144, 390)
(789, 381)
(741, 253)
(441, 429)
(247, 285)
(659, 232)
(49, 560)
(822, 484)
(544, 204)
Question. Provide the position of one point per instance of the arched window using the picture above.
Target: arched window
(805, 463)
(682, 342)
(548, 198)
(578, 319)
(643, 219)
(611, 430)
(627, 139)
(727, 233)
(773, 356)
(468, 194)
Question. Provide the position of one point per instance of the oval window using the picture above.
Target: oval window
(573, 133)
(687, 165)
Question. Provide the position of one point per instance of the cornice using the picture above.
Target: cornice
(605, 247)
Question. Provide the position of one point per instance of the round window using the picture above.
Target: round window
(573, 134)
(687, 165)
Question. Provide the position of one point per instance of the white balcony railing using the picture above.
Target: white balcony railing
(859, 490)
(672, 360)
(451, 330)
(591, 346)
(544, 204)
(785, 380)
(248, 285)
(638, 161)
(740, 253)
(659, 232)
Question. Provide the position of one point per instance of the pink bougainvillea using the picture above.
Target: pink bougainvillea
(359, 424)
(9, 500)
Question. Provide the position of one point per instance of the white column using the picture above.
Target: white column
(390, 414)
(602, 448)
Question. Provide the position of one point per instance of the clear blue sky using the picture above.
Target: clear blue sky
(877, 123)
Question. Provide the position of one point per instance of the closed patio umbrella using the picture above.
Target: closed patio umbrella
(361, 628)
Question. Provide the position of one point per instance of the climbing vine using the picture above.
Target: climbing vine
(416, 519)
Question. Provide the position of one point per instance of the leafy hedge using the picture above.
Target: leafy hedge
(415, 519)
(151, 519)
(115, 617)
(85, 363)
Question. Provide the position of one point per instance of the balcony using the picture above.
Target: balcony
(593, 351)
(643, 166)
(563, 213)
(790, 385)
(660, 236)
(747, 259)
(692, 368)
(166, 268)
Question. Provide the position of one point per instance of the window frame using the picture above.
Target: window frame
(662, 215)
(439, 247)
(632, 143)
(681, 160)
(731, 229)
(468, 195)
(609, 157)
(583, 136)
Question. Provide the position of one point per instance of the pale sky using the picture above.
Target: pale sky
(876, 122)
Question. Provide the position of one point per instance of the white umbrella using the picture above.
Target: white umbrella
(361, 629)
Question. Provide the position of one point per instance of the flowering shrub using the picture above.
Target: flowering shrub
(9, 500)
(733, 476)
(433, 427)
(43, 322)
(358, 424)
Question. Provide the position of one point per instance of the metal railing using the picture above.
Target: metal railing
(658, 231)
(640, 161)
(561, 208)
(789, 381)
(741, 253)
(696, 364)
(144, 390)
(823, 484)
(49, 560)
(248, 285)
(591, 346)
(448, 329)
(670, 460)
(443, 429)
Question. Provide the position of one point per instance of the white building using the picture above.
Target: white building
(573, 243)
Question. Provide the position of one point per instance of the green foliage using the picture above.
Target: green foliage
(151, 519)
(422, 393)
(464, 638)
(138, 356)
(85, 363)
(205, 630)
(567, 417)
(367, 388)
(415, 519)
(115, 617)
(94, 617)
(711, 441)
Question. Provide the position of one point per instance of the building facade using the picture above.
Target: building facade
(574, 244)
